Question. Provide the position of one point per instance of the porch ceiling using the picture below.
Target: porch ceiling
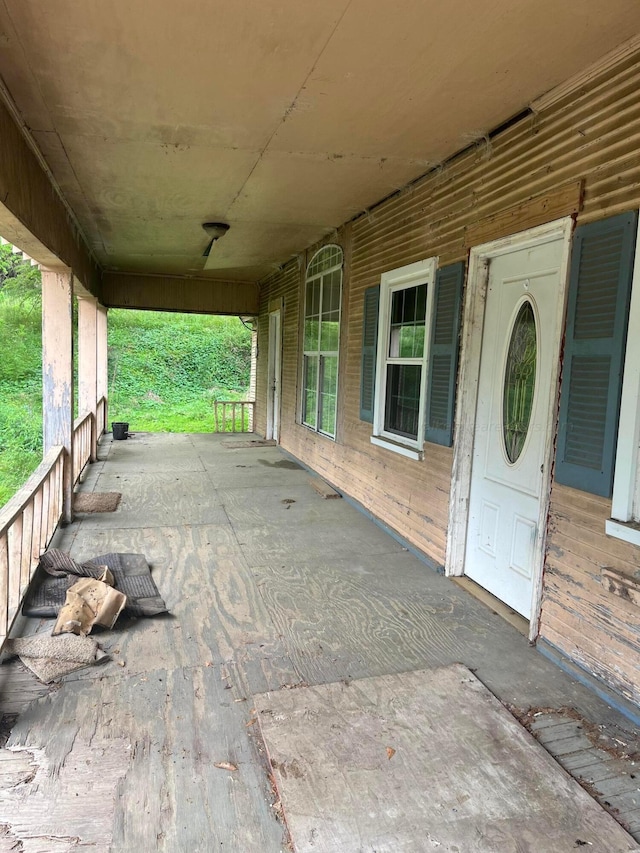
(282, 118)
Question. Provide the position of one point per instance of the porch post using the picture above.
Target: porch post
(88, 365)
(253, 375)
(101, 355)
(57, 373)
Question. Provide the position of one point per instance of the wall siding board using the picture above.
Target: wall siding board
(566, 634)
(593, 136)
(601, 630)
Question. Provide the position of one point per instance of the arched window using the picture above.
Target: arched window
(323, 294)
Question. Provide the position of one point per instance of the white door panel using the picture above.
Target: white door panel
(273, 377)
(508, 458)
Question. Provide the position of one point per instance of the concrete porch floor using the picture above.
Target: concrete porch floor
(268, 586)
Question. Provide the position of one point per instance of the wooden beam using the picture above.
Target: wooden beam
(57, 373)
(172, 293)
(563, 201)
(32, 214)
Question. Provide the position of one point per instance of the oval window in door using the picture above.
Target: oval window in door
(519, 382)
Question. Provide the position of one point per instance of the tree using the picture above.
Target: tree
(18, 278)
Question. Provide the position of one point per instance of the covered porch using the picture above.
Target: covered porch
(269, 586)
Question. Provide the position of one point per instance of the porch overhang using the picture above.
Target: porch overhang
(33, 215)
(175, 293)
(283, 120)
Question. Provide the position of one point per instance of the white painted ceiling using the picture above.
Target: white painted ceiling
(284, 118)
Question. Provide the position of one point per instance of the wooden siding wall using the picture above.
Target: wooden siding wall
(599, 630)
(592, 135)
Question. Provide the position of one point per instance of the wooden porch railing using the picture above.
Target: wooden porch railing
(101, 416)
(233, 416)
(29, 520)
(82, 444)
(27, 524)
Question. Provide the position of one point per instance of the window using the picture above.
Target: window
(519, 382)
(625, 509)
(323, 295)
(406, 300)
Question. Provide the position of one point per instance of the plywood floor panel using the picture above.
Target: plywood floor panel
(156, 499)
(347, 537)
(271, 598)
(426, 760)
(251, 473)
(282, 505)
(153, 741)
(216, 612)
(370, 614)
(153, 453)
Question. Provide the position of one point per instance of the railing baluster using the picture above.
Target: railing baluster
(43, 516)
(55, 495)
(46, 507)
(36, 539)
(82, 444)
(59, 488)
(233, 415)
(101, 416)
(25, 547)
(15, 560)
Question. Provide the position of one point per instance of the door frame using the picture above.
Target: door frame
(274, 375)
(467, 396)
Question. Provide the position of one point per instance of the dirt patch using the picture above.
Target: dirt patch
(281, 463)
(288, 768)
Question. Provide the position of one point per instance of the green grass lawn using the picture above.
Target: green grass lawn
(165, 370)
(20, 434)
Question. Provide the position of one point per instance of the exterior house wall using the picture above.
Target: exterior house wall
(592, 135)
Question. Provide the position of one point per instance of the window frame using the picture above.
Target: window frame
(402, 278)
(318, 353)
(625, 503)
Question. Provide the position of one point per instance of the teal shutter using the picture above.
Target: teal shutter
(443, 356)
(369, 352)
(597, 317)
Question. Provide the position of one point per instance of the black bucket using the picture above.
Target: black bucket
(120, 431)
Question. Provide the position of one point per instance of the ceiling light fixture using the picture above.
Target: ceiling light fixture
(215, 230)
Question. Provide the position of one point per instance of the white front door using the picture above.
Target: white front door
(273, 377)
(518, 367)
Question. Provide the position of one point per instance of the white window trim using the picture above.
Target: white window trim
(397, 448)
(625, 506)
(411, 275)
